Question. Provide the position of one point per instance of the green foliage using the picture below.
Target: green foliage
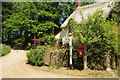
(29, 44)
(53, 67)
(65, 46)
(116, 12)
(51, 40)
(35, 56)
(98, 35)
(7, 10)
(86, 3)
(115, 15)
(5, 49)
(23, 21)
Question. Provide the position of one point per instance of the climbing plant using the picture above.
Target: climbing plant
(98, 38)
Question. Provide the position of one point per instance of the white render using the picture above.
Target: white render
(63, 34)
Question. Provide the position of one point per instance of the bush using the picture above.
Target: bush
(35, 56)
(51, 40)
(99, 38)
(5, 49)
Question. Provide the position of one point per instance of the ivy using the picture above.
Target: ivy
(98, 35)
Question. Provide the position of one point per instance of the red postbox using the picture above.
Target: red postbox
(80, 51)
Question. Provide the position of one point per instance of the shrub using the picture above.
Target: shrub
(35, 56)
(5, 49)
(98, 38)
(51, 40)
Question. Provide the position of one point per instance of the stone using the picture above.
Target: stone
(53, 57)
(47, 58)
(109, 69)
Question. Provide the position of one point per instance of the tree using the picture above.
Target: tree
(7, 10)
(110, 41)
(116, 17)
(34, 20)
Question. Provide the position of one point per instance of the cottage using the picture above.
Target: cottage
(62, 36)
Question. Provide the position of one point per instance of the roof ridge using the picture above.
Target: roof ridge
(87, 6)
(82, 8)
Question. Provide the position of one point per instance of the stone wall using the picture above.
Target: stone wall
(56, 57)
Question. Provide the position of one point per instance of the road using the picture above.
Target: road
(14, 66)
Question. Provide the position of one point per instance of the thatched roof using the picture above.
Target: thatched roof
(88, 9)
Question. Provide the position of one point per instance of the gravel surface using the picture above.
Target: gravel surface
(14, 66)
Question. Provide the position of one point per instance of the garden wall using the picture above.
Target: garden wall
(57, 57)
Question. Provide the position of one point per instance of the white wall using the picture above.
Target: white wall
(63, 34)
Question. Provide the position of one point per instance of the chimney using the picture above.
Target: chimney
(77, 3)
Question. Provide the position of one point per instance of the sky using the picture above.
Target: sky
(87, 0)
(100, 0)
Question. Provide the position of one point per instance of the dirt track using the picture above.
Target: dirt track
(14, 66)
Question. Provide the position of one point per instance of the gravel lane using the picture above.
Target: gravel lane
(14, 66)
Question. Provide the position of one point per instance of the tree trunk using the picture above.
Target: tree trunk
(34, 42)
(113, 59)
(108, 62)
(1, 35)
(85, 59)
(34, 36)
(9, 38)
(2, 40)
(20, 33)
(118, 63)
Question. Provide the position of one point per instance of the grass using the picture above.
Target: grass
(4, 49)
(79, 73)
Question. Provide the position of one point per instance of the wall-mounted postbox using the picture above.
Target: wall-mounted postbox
(80, 51)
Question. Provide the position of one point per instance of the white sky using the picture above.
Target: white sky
(100, 0)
